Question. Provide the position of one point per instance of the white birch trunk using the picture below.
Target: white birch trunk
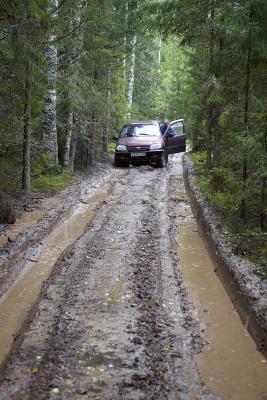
(68, 137)
(72, 154)
(125, 43)
(50, 100)
(75, 22)
(131, 77)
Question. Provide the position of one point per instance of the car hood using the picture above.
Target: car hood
(140, 141)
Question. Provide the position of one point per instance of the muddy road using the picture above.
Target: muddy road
(122, 315)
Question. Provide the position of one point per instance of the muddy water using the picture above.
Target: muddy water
(230, 365)
(26, 221)
(20, 297)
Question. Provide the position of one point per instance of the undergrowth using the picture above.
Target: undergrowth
(224, 191)
(111, 148)
(46, 178)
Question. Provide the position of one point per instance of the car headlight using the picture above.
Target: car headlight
(121, 147)
(156, 146)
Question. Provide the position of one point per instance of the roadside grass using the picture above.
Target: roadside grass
(224, 192)
(51, 183)
(111, 148)
(47, 178)
(43, 177)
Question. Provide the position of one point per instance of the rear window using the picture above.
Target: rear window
(140, 130)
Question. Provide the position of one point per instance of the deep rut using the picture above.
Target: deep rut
(114, 321)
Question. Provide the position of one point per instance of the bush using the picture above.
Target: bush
(7, 211)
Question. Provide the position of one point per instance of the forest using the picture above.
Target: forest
(73, 71)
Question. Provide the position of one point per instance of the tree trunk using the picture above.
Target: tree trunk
(26, 170)
(131, 77)
(243, 210)
(68, 137)
(50, 100)
(105, 141)
(209, 144)
(126, 17)
(75, 22)
(72, 153)
(263, 188)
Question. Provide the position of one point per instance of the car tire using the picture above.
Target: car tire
(120, 164)
(161, 161)
(166, 158)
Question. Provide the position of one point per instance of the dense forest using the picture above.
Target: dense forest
(73, 71)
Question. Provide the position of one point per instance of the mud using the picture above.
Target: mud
(223, 364)
(246, 289)
(20, 241)
(114, 320)
(19, 299)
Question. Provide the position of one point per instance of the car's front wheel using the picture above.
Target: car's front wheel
(118, 163)
(161, 161)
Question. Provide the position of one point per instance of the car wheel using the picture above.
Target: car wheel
(161, 161)
(166, 158)
(120, 164)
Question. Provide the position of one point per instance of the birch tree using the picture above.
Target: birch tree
(50, 100)
(73, 56)
(131, 80)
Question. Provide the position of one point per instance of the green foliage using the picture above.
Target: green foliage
(111, 148)
(9, 174)
(43, 165)
(51, 183)
(46, 177)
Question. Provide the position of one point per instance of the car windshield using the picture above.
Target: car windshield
(140, 130)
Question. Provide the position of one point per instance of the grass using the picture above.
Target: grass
(43, 177)
(111, 148)
(50, 183)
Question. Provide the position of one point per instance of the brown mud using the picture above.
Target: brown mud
(114, 320)
(230, 364)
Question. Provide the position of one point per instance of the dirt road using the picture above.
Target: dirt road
(114, 321)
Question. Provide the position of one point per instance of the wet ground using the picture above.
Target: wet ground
(126, 313)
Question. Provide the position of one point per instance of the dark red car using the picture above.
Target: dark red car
(142, 141)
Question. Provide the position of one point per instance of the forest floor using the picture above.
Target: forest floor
(113, 316)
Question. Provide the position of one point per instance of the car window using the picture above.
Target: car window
(177, 128)
(140, 130)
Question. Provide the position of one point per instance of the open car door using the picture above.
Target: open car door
(175, 140)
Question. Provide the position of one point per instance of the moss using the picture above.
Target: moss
(49, 183)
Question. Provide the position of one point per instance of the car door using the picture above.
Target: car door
(175, 139)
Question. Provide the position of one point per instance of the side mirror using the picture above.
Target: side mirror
(170, 134)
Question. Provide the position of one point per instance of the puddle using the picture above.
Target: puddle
(20, 297)
(3, 240)
(230, 365)
(106, 360)
(180, 196)
(26, 221)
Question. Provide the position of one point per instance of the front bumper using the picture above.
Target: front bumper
(128, 156)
